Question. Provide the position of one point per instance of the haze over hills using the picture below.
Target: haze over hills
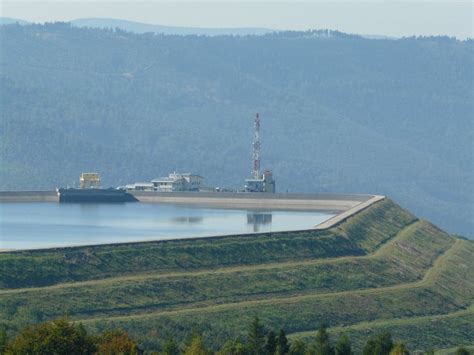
(139, 27)
(10, 21)
(340, 113)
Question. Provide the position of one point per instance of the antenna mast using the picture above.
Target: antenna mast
(256, 149)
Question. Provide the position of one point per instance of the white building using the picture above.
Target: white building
(178, 182)
(264, 184)
(140, 186)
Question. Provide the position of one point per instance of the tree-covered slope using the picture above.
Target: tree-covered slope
(340, 113)
(382, 268)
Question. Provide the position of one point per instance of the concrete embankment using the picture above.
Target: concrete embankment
(305, 202)
(29, 196)
(343, 205)
(341, 217)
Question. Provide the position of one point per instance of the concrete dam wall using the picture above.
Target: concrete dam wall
(29, 196)
(344, 205)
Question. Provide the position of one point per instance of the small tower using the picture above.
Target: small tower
(258, 182)
(256, 149)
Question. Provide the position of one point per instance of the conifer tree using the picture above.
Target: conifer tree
(233, 348)
(256, 338)
(462, 351)
(343, 346)
(196, 347)
(399, 349)
(170, 347)
(3, 340)
(380, 344)
(282, 343)
(271, 344)
(322, 344)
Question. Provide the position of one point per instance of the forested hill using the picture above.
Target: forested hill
(340, 113)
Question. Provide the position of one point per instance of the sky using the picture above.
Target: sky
(395, 18)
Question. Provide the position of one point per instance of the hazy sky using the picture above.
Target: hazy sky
(391, 18)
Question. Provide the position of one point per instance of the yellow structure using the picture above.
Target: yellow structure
(90, 181)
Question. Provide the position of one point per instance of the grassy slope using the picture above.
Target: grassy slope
(452, 350)
(399, 261)
(454, 278)
(436, 294)
(48, 267)
(379, 266)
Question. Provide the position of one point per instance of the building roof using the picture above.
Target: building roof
(143, 184)
(175, 177)
(163, 179)
(185, 174)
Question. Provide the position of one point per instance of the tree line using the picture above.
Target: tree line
(64, 337)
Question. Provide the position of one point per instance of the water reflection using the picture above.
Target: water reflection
(186, 219)
(258, 220)
(57, 225)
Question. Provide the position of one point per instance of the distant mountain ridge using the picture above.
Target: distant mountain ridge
(138, 27)
(11, 21)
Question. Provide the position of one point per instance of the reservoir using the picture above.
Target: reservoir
(46, 225)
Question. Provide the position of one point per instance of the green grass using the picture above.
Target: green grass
(299, 313)
(380, 268)
(399, 261)
(49, 267)
(453, 329)
(452, 351)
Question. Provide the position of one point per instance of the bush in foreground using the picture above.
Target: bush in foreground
(62, 337)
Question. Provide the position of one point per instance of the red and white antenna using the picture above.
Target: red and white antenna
(256, 149)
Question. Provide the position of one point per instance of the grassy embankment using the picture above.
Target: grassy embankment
(380, 269)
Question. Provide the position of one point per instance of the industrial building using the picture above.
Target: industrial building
(141, 186)
(264, 183)
(259, 182)
(89, 181)
(178, 182)
(173, 182)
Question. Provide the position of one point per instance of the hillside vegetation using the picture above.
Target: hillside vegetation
(339, 113)
(381, 269)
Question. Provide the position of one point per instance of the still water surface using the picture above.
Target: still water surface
(44, 225)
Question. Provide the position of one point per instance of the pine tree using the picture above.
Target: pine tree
(282, 343)
(343, 346)
(233, 348)
(256, 338)
(399, 349)
(381, 344)
(271, 344)
(3, 340)
(196, 347)
(384, 344)
(170, 347)
(322, 345)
